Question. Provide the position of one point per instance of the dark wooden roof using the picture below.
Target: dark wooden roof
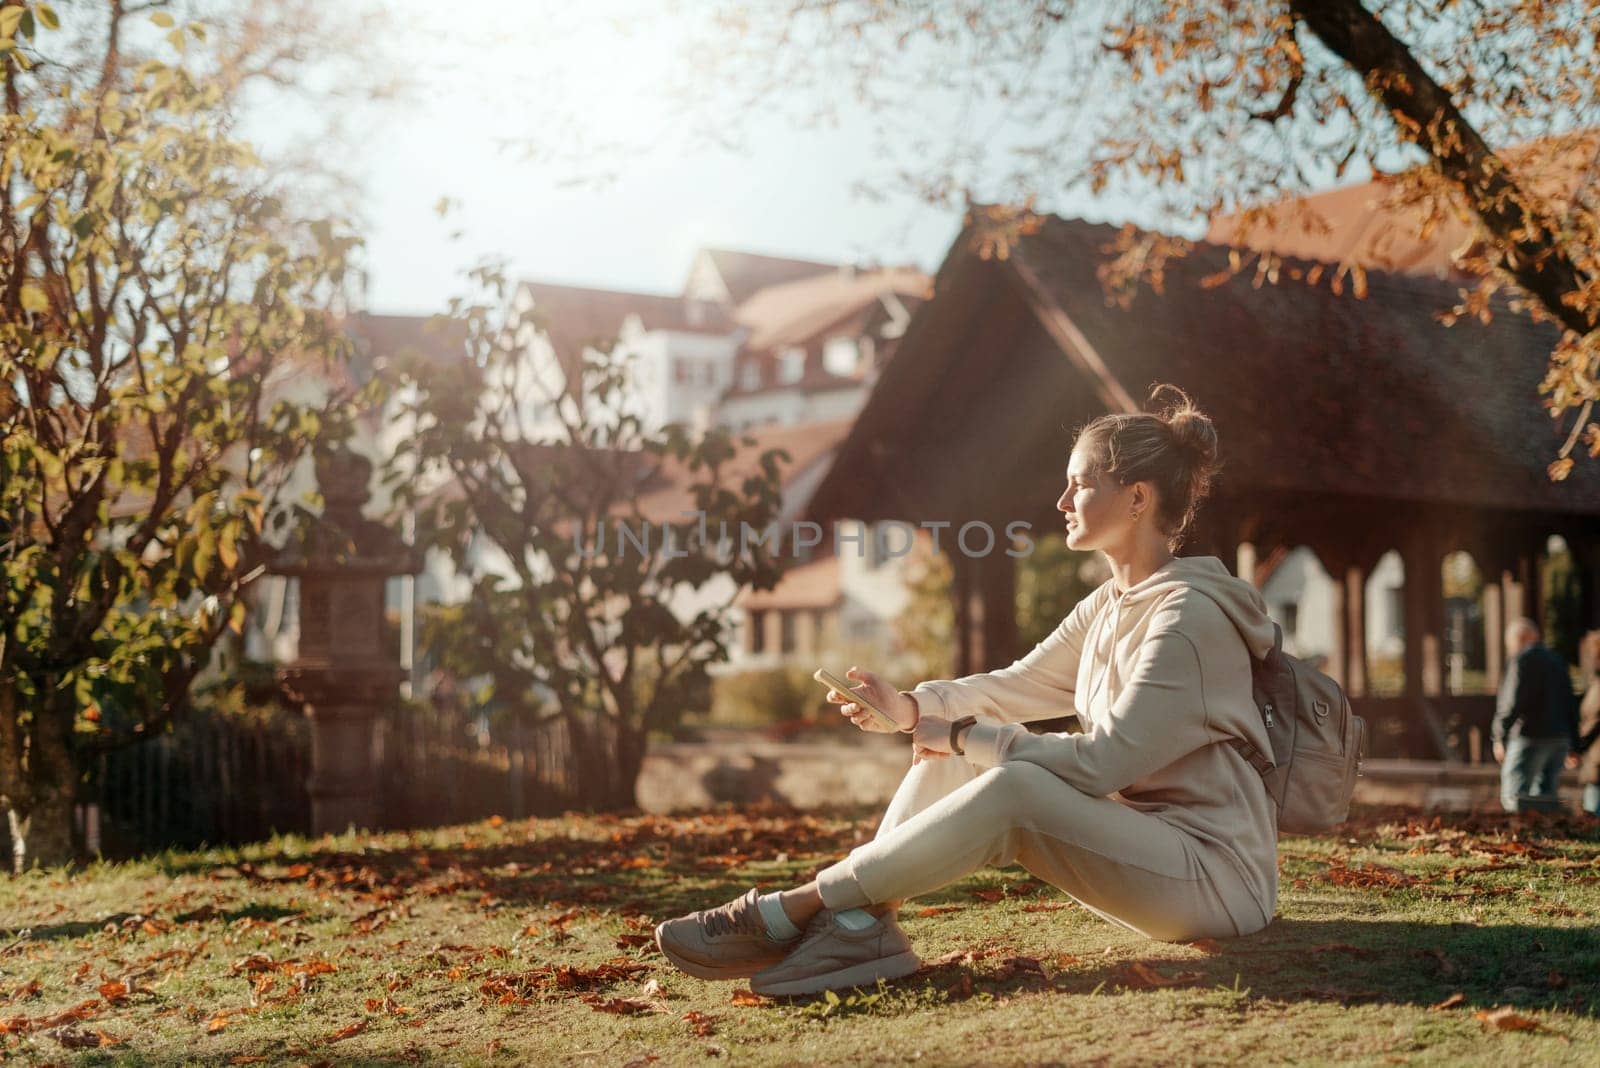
(1311, 391)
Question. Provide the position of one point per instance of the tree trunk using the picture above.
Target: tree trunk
(43, 836)
(1525, 241)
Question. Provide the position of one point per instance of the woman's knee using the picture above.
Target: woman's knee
(1019, 781)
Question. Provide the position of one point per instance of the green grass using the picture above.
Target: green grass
(507, 943)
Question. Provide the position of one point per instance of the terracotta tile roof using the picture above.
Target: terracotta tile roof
(806, 443)
(576, 317)
(1310, 391)
(743, 273)
(1360, 224)
(813, 584)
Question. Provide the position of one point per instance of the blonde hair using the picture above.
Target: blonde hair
(1174, 447)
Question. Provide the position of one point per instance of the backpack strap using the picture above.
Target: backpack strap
(1255, 757)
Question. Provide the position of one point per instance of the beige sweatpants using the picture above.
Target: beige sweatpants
(948, 819)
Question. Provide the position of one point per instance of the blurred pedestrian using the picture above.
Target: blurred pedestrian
(1536, 720)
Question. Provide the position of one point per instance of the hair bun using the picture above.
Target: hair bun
(1191, 429)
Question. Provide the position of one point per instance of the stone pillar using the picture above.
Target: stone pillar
(343, 674)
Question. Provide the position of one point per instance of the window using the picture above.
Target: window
(682, 370)
(1291, 619)
(793, 363)
(840, 356)
(757, 642)
(750, 376)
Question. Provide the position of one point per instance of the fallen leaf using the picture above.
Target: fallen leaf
(747, 997)
(1454, 1001)
(619, 1006)
(1206, 945)
(961, 989)
(704, 1024)
(1137, 975)
(629, 941)
(938, 910)
(346, 1032)
(113, 991)
(1505, 1018)
(988, 895)
(653, 989)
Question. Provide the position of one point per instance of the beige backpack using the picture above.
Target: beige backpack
(1316, 741)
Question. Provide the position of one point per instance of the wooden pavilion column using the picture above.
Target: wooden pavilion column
(1424, 613)
(985, 590)
(961, 589)
(1355, 628)
(1494, 625)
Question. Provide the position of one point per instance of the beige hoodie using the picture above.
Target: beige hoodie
(1156, 675)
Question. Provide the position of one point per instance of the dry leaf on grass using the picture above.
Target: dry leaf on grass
(1506, 1018)
(1206, 945)
(1137, 975)
(618, 1006)
(346, 1032)
(938, 910)
(746, 997)
(1454, 1001)
(704, 1023)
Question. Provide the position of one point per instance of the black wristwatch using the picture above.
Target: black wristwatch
(956, 727)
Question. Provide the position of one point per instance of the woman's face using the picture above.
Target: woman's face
(1095, 507)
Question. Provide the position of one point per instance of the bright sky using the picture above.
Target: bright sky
(494, 65)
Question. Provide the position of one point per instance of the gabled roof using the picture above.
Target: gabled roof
(1310, 391)
(796, 312)
(576, 317)
(1369, 225)
(743, 273)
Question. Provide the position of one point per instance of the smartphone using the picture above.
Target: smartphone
(828, 678)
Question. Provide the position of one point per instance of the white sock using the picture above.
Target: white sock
(779, 925)
(854, 919)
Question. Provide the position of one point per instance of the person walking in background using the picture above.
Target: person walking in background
(1535, 722)
(1586, 754)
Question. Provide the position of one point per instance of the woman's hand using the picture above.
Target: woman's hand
(902, 709)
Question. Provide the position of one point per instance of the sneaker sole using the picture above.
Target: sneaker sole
(895, 967)
(707, 971)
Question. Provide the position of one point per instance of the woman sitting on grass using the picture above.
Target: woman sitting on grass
(1147, 817)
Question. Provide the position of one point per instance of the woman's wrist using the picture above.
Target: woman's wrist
(916, 712)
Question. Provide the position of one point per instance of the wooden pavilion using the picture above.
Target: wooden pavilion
(1351, 426)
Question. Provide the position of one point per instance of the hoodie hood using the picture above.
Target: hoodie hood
(1239, 600)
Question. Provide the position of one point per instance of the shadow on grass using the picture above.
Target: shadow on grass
(1388, 962)
(663, 865)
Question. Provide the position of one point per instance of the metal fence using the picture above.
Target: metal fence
(219, 781)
